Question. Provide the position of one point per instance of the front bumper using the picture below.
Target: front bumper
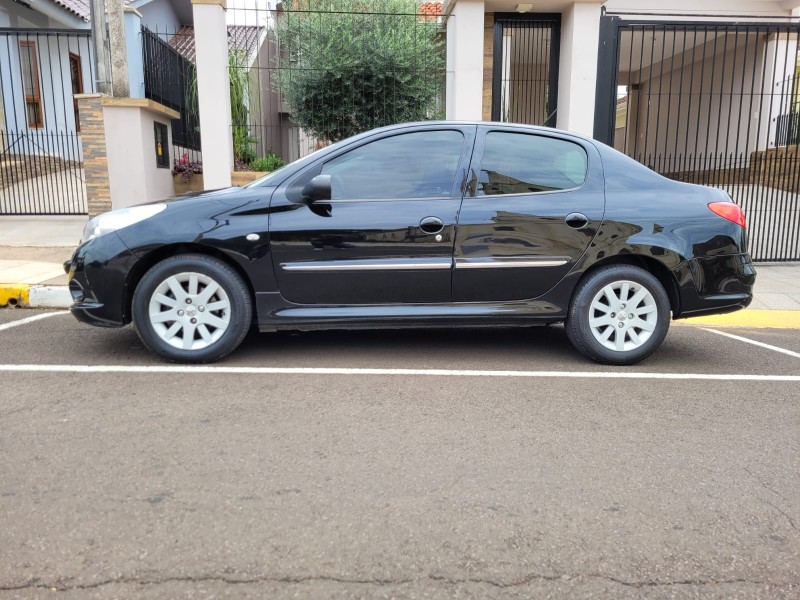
(98, 274)
(715, 284)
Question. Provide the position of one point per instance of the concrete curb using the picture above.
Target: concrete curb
(34, 296)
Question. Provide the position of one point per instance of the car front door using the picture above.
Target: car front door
(534, 204)
(387, 233)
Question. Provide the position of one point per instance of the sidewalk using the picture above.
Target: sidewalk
(32, 250)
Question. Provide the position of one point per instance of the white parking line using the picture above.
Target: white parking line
(32, 319)
(200, 369)
(754, 342)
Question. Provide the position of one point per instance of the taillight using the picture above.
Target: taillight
(730, 211)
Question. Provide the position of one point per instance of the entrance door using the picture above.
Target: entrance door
(525, 68)
(537, 203)
(387, 234)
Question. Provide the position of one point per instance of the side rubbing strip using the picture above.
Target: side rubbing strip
(511, 262)
(422, 264)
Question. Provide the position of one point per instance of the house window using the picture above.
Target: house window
(76, 73)
(30, 84)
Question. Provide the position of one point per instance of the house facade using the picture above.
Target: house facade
(46, 57)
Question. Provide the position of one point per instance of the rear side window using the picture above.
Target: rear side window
(520, 163)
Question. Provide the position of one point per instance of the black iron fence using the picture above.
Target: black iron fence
(711, 103)
(170, 78)
(303, 76)
(788, 129)
(41, 162)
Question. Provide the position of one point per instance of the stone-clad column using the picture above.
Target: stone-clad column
(95, 159)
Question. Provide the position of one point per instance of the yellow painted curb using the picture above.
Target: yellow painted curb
(14, 294)
(777, 319)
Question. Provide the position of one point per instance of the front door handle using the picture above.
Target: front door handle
(576, 220)
(431, 225)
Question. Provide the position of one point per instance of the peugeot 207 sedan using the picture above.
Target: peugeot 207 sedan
(435, 224)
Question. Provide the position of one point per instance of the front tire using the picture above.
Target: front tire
(619, 315)
(192, 308)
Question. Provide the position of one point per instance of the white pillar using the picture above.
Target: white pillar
(133, 41)
(465, 61)
(577, 69)
(213, 92)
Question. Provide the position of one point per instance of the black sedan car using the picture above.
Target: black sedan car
(435, 224)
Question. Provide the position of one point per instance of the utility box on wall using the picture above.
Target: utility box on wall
(138, 141)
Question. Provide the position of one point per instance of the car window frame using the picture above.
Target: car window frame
(480, 147)
(465, 139)
(289, 189)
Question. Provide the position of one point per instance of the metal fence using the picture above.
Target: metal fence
(711, 103)
(302, 77)
(41, 163)
(170, 78)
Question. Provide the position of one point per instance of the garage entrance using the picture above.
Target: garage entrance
(714, 103)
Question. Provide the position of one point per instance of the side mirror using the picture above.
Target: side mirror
(318, 188)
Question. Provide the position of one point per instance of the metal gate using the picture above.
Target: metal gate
(41, 164)
(714, 103)
(525, 68)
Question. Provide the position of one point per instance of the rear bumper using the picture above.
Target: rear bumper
(715, 284)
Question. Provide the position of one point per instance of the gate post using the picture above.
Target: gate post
(465, 61)
(577, 74)
(213, 92)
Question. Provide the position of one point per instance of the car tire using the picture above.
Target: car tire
(619, 315)
(192, 308)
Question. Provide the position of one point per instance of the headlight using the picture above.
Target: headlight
(117, 219)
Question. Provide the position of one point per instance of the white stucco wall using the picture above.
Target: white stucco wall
(134, 177)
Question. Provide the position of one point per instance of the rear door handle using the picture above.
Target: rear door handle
(431, 224)
(576, 220)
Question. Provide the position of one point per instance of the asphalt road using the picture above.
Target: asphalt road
(570, 483)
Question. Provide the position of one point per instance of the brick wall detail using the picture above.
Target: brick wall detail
(488, 58)
(95, 159)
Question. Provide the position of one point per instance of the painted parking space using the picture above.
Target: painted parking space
(62, 340)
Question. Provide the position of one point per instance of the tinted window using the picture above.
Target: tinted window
(518, 163)
(410, 165)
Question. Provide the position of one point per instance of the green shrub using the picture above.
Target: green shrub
(270, 162)
(347, 66)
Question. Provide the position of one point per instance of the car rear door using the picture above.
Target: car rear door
(386, 236)
(535, 201)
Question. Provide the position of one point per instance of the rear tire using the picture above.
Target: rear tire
(619, 315)
(192, 308)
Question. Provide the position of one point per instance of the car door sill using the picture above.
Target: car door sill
(274, 313)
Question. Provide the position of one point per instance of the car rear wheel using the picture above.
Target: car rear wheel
(192, 308)
(619, 315)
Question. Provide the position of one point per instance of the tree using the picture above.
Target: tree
(347, 66)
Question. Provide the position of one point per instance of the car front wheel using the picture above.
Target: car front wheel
(619, 315)
(192, 308)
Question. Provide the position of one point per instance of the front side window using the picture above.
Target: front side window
(422, 164)
(521, 163)
(30, 84)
